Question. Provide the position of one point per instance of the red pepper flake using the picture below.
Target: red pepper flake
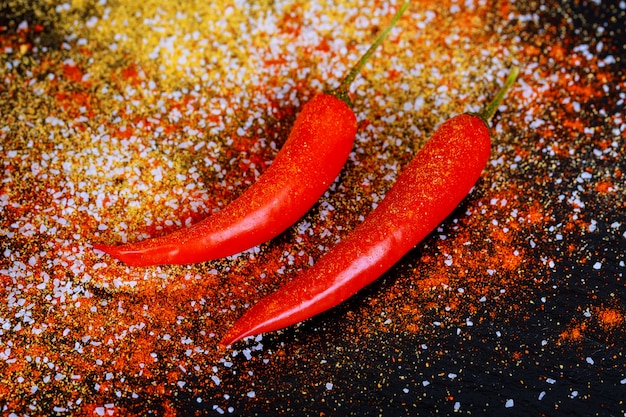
(574, 333)
(131, 74)
(605, 187)
(73, 73)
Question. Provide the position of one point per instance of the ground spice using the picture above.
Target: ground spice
(126, 120)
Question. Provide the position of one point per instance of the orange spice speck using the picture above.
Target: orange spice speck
(604, 187)
(573, 333)
(610, 318)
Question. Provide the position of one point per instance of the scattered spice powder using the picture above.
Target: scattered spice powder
(124, 120)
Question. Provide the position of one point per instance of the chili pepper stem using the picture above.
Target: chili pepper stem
(487, 113)
(341, 92)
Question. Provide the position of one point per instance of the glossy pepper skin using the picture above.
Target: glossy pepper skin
(432, 185)
(313, 155)
(426, 192)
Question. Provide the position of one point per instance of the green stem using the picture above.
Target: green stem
(342, 91)
(492, 107)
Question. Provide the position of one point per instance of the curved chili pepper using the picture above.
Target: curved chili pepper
(313, 155)
(431, 186)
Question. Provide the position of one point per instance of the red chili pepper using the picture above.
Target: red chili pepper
(315, 152)
(431, 186)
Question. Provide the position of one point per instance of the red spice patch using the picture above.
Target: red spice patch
(610, 319)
